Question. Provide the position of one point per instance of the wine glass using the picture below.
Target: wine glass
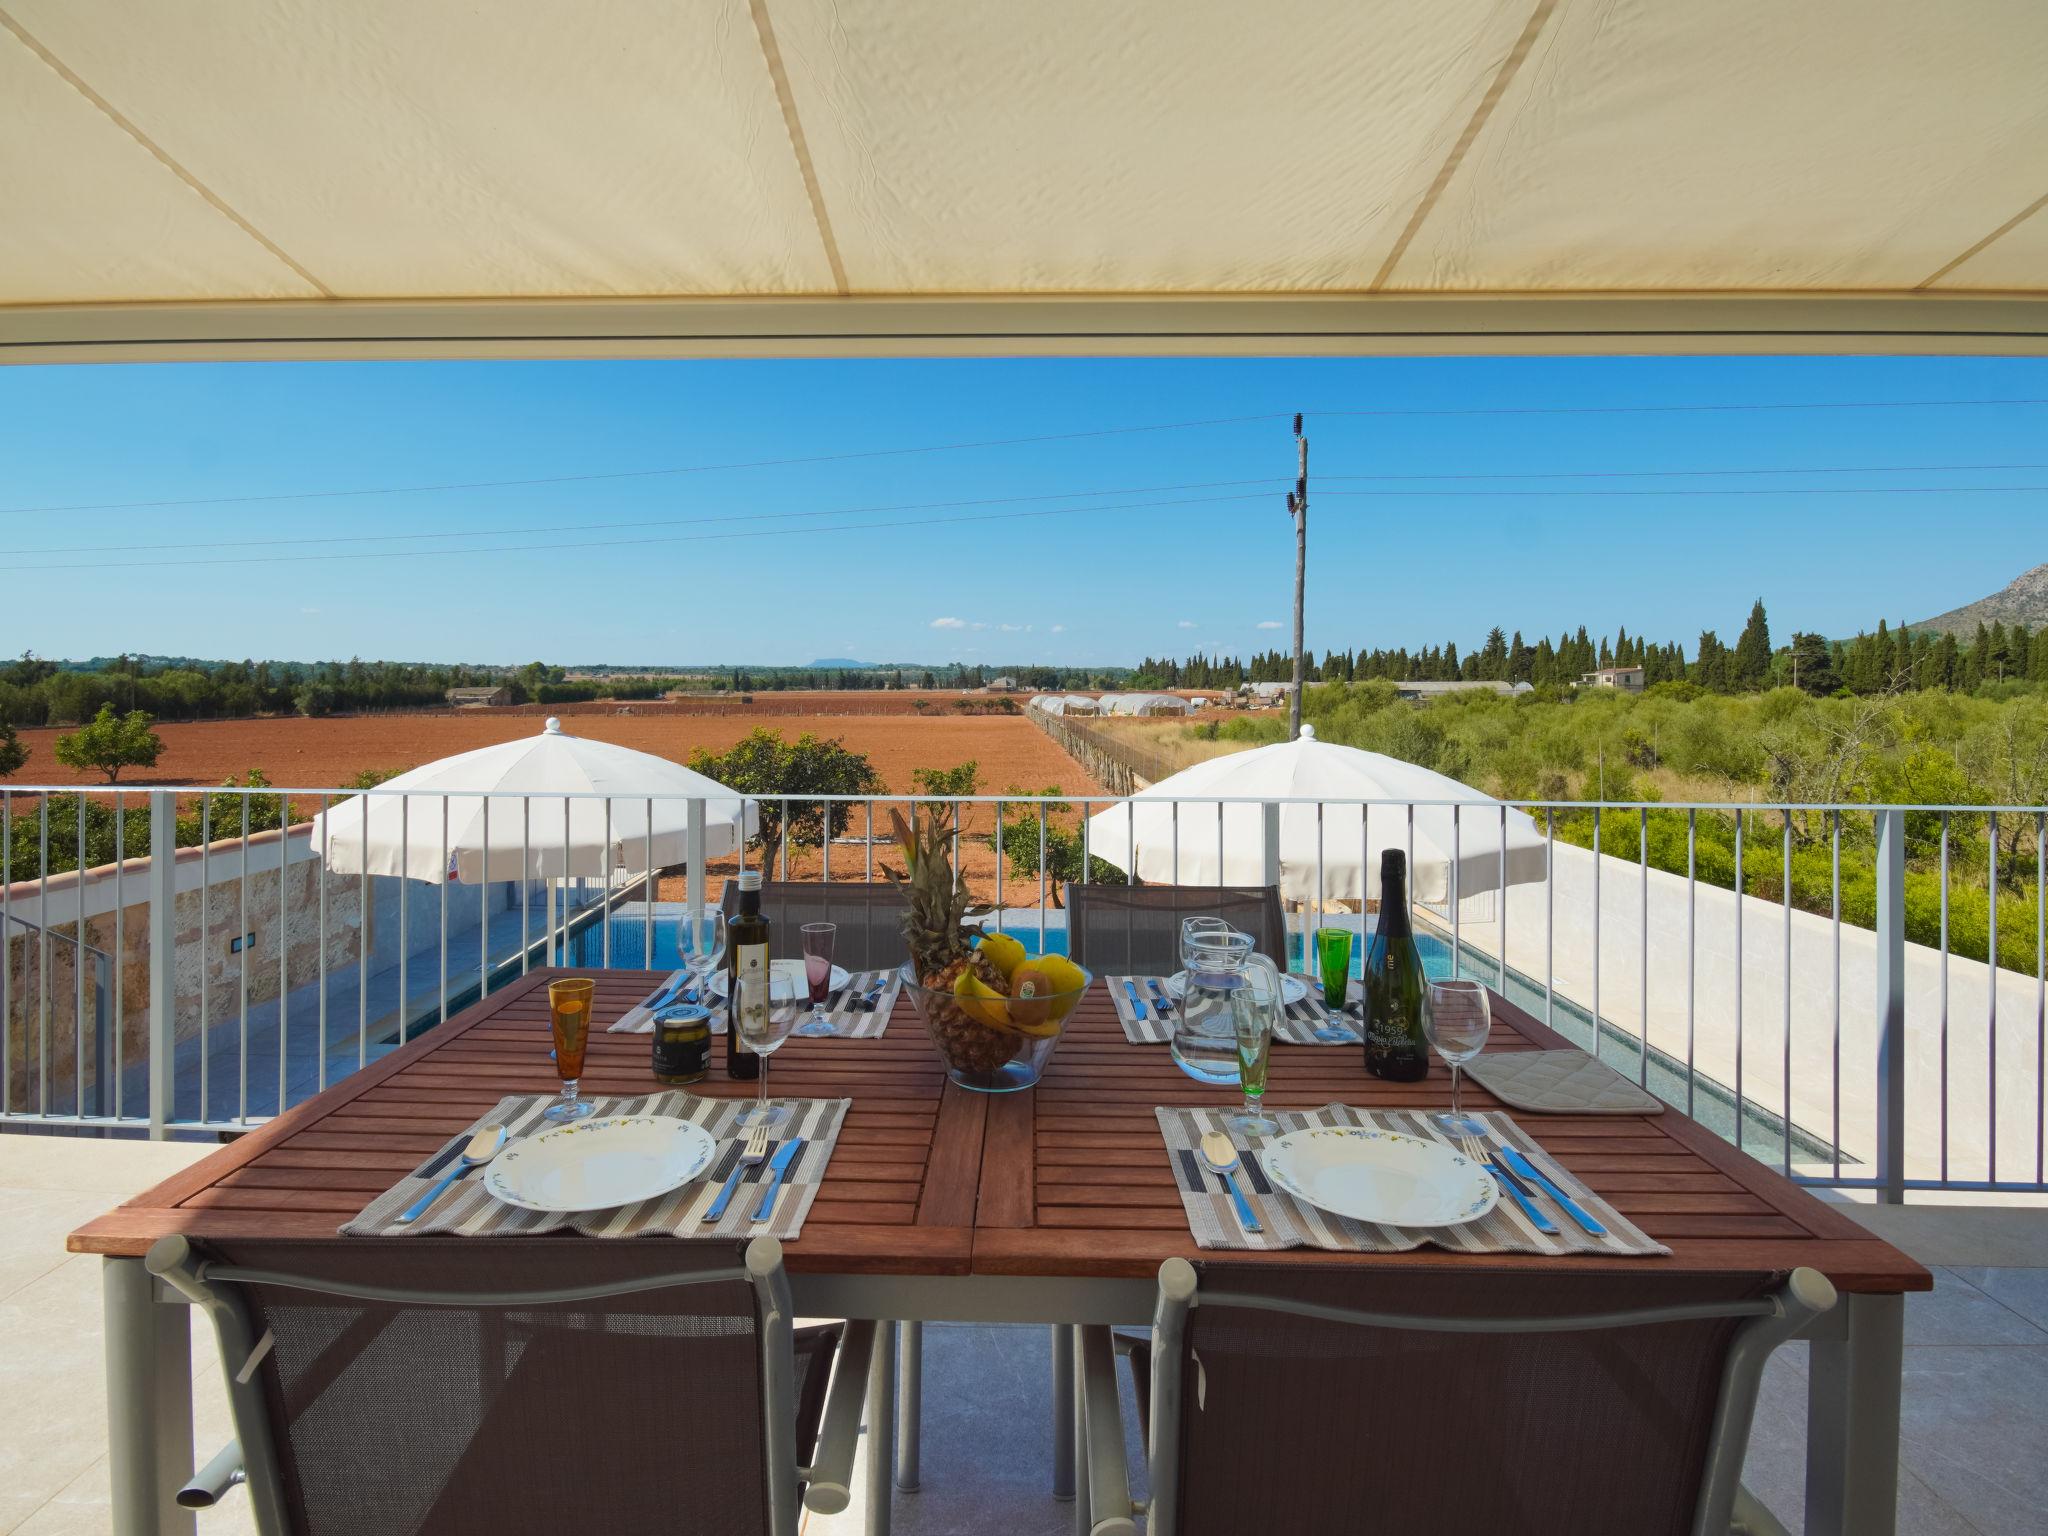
(1333, 962)
(763, 1029)
(569, 1019)
(1456, 1021)
(1254, 1011)
(700, 942)
(818, 976)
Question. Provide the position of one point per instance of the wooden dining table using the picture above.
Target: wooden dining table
(1053, 1205)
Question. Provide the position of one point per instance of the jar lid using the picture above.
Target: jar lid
(683, 1013)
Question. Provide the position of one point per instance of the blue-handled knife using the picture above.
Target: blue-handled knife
(1530, 1172)
(1137, 1002)
(1513, 1190)
(784, 1156)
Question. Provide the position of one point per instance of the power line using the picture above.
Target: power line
(700, 538)
(1646, 474)
(666, 522)
(1731, 490)
(1645, 410)
(637, 474)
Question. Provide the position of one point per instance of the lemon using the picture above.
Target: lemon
(1003, 952)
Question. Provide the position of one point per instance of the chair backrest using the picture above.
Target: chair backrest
(1459, 1401)
(472, 1384)
(869, 915)
(1135, 929)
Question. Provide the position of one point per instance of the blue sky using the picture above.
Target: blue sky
(1108, 583)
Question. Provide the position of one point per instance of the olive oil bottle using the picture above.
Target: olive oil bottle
(747, 979)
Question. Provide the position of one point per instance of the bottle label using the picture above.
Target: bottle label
(750, 980)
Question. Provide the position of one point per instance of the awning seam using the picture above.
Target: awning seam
(1999, 233)
(1502, 78)
(213, 199)
(764, 32)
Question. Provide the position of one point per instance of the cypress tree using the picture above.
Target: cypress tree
(1752, 664)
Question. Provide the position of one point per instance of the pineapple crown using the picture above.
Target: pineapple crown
(937, 901)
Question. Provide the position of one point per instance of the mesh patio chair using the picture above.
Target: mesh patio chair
(521, 1385)
(1135, 929)
(870, 918)
(1462, 1403)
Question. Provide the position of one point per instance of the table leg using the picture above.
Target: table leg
(881, 1430)
(1084, 1513)
(1852, 1420)
(909, 1404)
(1063, 1341)
(149, 1402)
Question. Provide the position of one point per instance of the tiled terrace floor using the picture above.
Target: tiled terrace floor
(1976, 1407)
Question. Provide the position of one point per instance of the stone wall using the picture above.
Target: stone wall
(206, 950)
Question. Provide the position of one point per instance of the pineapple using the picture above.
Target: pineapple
(941, 947)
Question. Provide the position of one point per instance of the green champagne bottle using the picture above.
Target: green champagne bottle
(1395, 1046)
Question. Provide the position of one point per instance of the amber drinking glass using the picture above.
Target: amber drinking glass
(569, 1016)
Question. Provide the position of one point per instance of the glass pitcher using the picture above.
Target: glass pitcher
(1224, 975)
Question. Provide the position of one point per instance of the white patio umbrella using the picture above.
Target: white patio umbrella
(535, 831)
(1347, 844)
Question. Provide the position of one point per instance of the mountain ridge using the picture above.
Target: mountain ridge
(2023, 600)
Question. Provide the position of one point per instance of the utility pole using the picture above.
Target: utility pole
(1297, 507)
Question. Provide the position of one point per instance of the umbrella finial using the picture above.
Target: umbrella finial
(1308, 732)
(553, 726)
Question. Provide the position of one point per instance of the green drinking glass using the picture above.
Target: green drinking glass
(1333, 961)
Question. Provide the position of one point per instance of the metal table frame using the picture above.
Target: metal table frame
(1852, 1437)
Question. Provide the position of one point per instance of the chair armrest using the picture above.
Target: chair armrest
(828, 1480)
(214, 1479)
(1751, 1518)
(1108, 1474)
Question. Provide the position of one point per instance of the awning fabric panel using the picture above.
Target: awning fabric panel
(409, 149)
(311, 168)
(1749, 144)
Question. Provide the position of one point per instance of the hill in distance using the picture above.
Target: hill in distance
(2024, 601)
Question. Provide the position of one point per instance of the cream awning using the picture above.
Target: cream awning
(392, 177)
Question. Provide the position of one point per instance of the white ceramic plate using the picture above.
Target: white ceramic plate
(1383, 1176)
(598, 1164)
(1292, 988)
(786, 982)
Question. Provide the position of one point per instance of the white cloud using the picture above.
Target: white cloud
(1188, 624)
(1014, 629)
(949, 624)
(1059, 629)
(1270, 624)
(309, 610)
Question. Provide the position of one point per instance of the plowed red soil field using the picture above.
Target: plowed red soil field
(319, 754)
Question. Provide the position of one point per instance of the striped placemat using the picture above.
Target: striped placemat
(858, 1011)
(639, 1019)
(469, 1210)
(1292, 1223)
(1307, 1022)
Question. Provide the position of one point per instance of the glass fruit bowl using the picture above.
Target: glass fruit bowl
(992, 1043)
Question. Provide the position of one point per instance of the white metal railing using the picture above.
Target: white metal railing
(1845, 1053)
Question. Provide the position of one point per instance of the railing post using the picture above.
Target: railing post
(163, 961)
(1890, 997)
(695, 884)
